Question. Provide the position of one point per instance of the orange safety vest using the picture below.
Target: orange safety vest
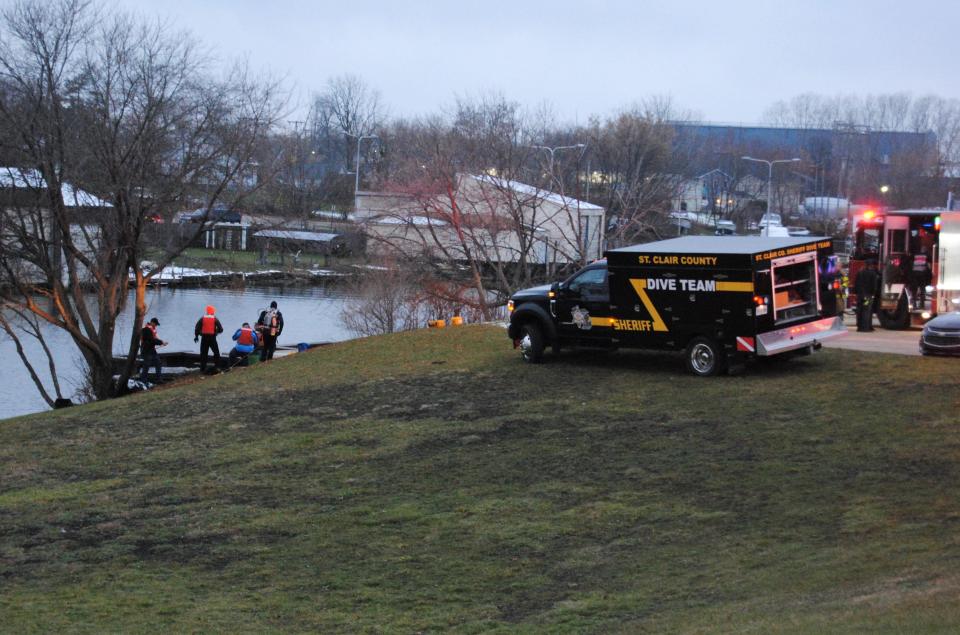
(246, 337)
(208, 325)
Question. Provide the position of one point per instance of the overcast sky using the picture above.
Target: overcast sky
(726, 61)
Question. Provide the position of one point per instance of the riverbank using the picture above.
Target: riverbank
(430, 481)
(312, 313)
(219, 268)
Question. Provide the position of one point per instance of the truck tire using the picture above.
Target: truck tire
(898, 319)
(704, 357)
(531, 343)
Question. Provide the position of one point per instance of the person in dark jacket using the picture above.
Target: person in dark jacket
(247, 341)
(866, 287)
(270, 325)
(207, 329)
(149, 341)
(920, 277)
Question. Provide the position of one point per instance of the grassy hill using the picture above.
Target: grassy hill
(430, 481)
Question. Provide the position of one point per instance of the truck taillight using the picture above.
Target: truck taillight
(759, 300)
(836, 285)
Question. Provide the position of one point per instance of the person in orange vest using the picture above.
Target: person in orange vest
(149, 341)
(207, 329)
(247, 340)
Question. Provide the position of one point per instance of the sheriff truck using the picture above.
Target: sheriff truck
(721, 299)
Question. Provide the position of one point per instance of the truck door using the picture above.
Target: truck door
(894, 261)
(796, 287)
(583, 308)
(948, 264)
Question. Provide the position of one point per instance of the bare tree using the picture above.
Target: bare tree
(635, 170)
(477, 197)
(867, 150)
(125, 110)
(383, 300)
(346, 109)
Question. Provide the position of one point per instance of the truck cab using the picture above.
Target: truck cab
(720, 299)
(916, 254)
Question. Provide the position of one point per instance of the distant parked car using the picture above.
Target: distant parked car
(216, 215)
(771, 219)
(726, 228)
(941, 335)
(153, 218)
(795, 230)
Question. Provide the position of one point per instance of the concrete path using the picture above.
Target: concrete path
(878, 341)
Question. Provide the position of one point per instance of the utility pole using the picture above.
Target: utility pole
(766, 229)
(356, 183)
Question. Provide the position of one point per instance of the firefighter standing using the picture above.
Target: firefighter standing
(270, 325)
(920, 277)
(149, 341)
(247, 340)
(866, 286)
(206, 330)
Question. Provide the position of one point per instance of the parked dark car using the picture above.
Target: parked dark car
(217, 215)
(941, 335)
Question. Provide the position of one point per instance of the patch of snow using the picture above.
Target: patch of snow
(32, 179)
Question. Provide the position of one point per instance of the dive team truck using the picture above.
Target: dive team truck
(721, 299)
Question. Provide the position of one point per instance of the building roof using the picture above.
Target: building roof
(32, 179)
(302, 236)
(536, 192)
(718, 245)
(406, 220)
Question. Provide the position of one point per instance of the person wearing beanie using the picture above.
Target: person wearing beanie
(149, 341)
(206, 330)
(270, 326)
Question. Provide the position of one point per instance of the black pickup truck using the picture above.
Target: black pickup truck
(721, 299)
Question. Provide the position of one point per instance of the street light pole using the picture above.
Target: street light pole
(356, 182)
(555, 148)
(766, 229)
(356, 185)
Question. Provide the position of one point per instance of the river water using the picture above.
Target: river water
(310, 314)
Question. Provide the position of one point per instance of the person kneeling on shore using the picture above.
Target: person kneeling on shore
(247, 340)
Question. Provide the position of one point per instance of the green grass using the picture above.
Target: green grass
(431, 481)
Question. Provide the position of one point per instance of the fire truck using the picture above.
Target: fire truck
(917, 252)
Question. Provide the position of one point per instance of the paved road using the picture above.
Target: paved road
(877, 341)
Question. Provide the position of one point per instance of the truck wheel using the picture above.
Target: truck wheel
(704, 357)
(531, 343)
(898, 319)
